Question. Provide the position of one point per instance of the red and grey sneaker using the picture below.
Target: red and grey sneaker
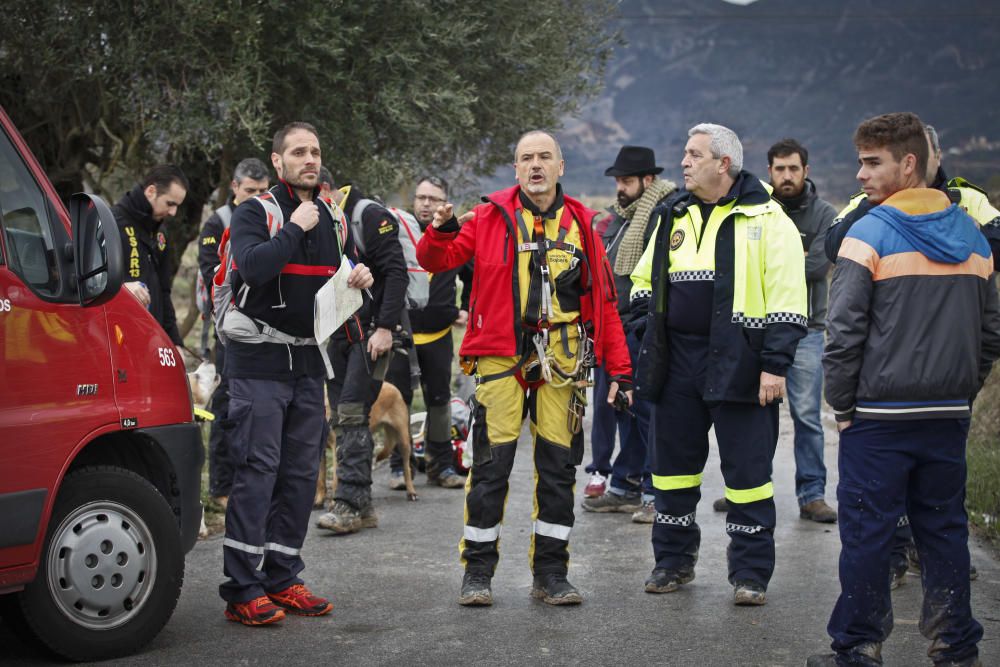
(596, 487)
(297, 599)
(259, 611)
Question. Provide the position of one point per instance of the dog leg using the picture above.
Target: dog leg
(403, 444)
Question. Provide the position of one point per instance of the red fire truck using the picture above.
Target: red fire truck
(100, 461)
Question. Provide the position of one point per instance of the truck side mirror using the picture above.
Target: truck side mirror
(100, 267)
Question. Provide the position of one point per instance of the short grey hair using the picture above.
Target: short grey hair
(251, 168)
(725, 143)
(933, 136)
(547, 134)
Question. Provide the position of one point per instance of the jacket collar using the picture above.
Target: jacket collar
(747, 190)
(139, 209)
(802, 200)
(530, 205)
(284, 193)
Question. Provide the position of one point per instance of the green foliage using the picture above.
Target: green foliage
(103, 90)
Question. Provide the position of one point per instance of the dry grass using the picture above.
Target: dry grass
(983, 499)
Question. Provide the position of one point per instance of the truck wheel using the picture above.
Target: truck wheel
(111, 568)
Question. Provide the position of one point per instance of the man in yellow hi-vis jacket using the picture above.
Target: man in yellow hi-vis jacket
(721, 295)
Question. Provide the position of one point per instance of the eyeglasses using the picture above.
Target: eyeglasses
(430, 199)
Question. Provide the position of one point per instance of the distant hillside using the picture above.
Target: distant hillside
(810, 70)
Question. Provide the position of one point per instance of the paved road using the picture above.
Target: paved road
(395, 589)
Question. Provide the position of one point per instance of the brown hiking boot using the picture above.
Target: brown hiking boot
(447, 478)
(818, 511)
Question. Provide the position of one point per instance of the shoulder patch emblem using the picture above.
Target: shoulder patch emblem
(161, 241)
(676, 239)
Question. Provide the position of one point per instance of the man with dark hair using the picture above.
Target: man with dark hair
(432, 340)
(625, 236)
(275, 370)
(720, 293)
(900, 377)
(536, 323)
(141, 216)
(970, 198)
(788, 169)
(360, 352)
(973, 201)
(250, 178)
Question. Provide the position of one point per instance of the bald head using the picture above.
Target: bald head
(537, 134)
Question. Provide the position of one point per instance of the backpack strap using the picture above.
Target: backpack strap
(274, 217)
(225, 213)
(339, 223)
(357, 227)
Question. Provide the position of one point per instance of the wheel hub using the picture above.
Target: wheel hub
(101, 565)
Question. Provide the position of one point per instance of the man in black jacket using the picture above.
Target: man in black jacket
(788, 168)
(627, 233)
(276, 412)
(140, 215)
(355, 352)
(249, 178)
(435, 349)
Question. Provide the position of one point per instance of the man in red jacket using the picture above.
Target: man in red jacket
(542, 313)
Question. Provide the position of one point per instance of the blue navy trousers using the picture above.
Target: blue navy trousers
(630, 471)
(887, 469)
(276, 433)
(747, 435)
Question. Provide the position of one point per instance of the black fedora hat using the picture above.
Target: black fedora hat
(632, 161)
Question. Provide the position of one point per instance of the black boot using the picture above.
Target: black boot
(668, 581)
(475, 590)
(554, 588)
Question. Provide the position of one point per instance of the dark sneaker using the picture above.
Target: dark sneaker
(897, 574)
(259, 611)
(612, 502)
(555, 589)
(341, 519)
(297, 599)
(865, 654)
(668, 581)
(475, 590)
(818, 511)
(368, 517)
(447, 478)
(397, 482)
(645, 514)
(721, 505)
(749, 594)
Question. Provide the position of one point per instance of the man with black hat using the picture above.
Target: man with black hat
(625, 236)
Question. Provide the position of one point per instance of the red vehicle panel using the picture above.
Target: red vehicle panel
(100, 463)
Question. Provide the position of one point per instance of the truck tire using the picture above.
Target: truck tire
(111, 567)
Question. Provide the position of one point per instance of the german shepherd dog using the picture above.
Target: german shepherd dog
(390, 414)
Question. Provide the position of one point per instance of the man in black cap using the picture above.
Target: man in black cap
(626, 235)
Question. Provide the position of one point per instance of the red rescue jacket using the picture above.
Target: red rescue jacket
(495, 324)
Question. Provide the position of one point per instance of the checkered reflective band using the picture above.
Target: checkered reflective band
(740, 528)
(642, 294)
(688, 276)
(772, 318)
(685, 520)
(903, 521)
